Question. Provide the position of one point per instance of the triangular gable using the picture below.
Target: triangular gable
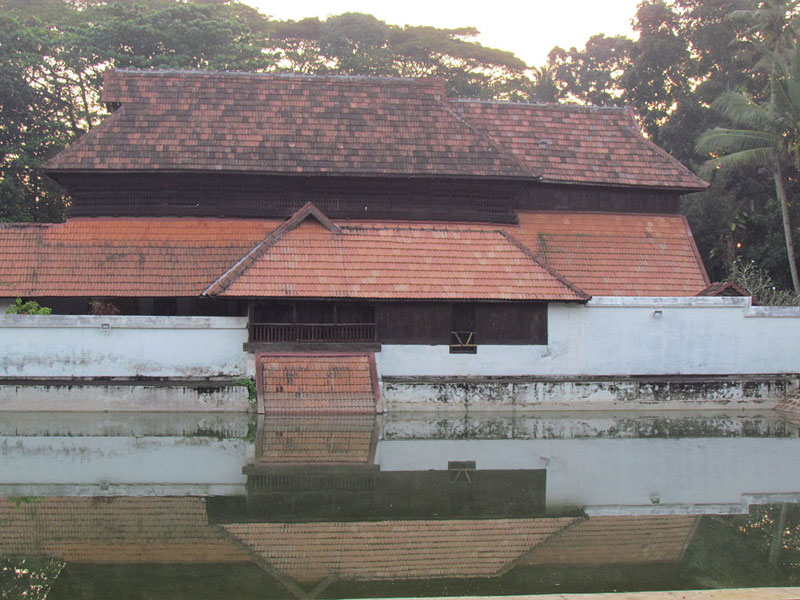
(432, 262)
(309, 210)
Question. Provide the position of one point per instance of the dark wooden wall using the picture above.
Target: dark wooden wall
(345, 197)
(433, 322)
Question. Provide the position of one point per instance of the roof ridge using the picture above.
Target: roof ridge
(497, 147)
(530, 254)
(558, 105)
(636, 130)
(411, 227)
(277, 75)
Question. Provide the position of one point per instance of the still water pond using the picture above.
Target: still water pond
(229, 506)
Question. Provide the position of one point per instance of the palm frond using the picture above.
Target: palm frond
(784, 108)
(743, 112)
(793, 90)
(795, 70)
(755, 157)
(727, 141)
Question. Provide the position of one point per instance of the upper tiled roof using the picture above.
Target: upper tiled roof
(613, 254)
(215, 121)
(564, 143)
(309, 259)
(294, 124)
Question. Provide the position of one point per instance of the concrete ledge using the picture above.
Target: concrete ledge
(546, 425)
(656, 392)
(123, 395)
(216, 425)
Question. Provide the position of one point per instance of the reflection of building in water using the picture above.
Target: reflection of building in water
(125, 530)
(113, 530)
(321, 439)
(554, 464)
(324, 466)
(360, 506)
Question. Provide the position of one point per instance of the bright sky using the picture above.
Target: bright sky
(528, 28)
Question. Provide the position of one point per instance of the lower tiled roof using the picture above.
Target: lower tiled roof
(596, 253)
(311, 552)
(616, 254)
(390, 262)
(123, 256)
(114, 530)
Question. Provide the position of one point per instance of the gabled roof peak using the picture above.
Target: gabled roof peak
(229, 276)
(309, 209)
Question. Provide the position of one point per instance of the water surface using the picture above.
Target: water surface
(230, 506)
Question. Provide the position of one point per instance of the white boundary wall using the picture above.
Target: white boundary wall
(610, 336)
(619, 336)
(63, 346)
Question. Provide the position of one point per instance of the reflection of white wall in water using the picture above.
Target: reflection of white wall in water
(626, 336)
(100, 466)
(704, 475)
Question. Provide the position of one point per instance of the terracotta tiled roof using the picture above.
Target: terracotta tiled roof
(310, 552)
(317, 383)
(600, 253)
(614, 254)
(114, 530)
(123, 256)
(316, 439)
(413, 262)
(212, 121)
(578, 144)
(248, 122)
(616, 540)
(724, 288)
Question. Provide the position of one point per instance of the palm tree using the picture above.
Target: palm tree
(764, 135)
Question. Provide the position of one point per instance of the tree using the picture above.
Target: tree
(360, 44)
(592, 75)
(765, 135)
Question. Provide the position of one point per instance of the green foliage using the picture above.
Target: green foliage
(31, 307)
(359, 44)
(250, 384)
(765, 135)
(592, 75)
(29, 578)
(760, 284)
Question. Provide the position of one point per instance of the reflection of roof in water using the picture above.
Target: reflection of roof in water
(114, 530)
(615, 540)
(317, 439)
(128, 530)
(311, 552)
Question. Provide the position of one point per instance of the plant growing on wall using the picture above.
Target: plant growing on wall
(31, 307)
